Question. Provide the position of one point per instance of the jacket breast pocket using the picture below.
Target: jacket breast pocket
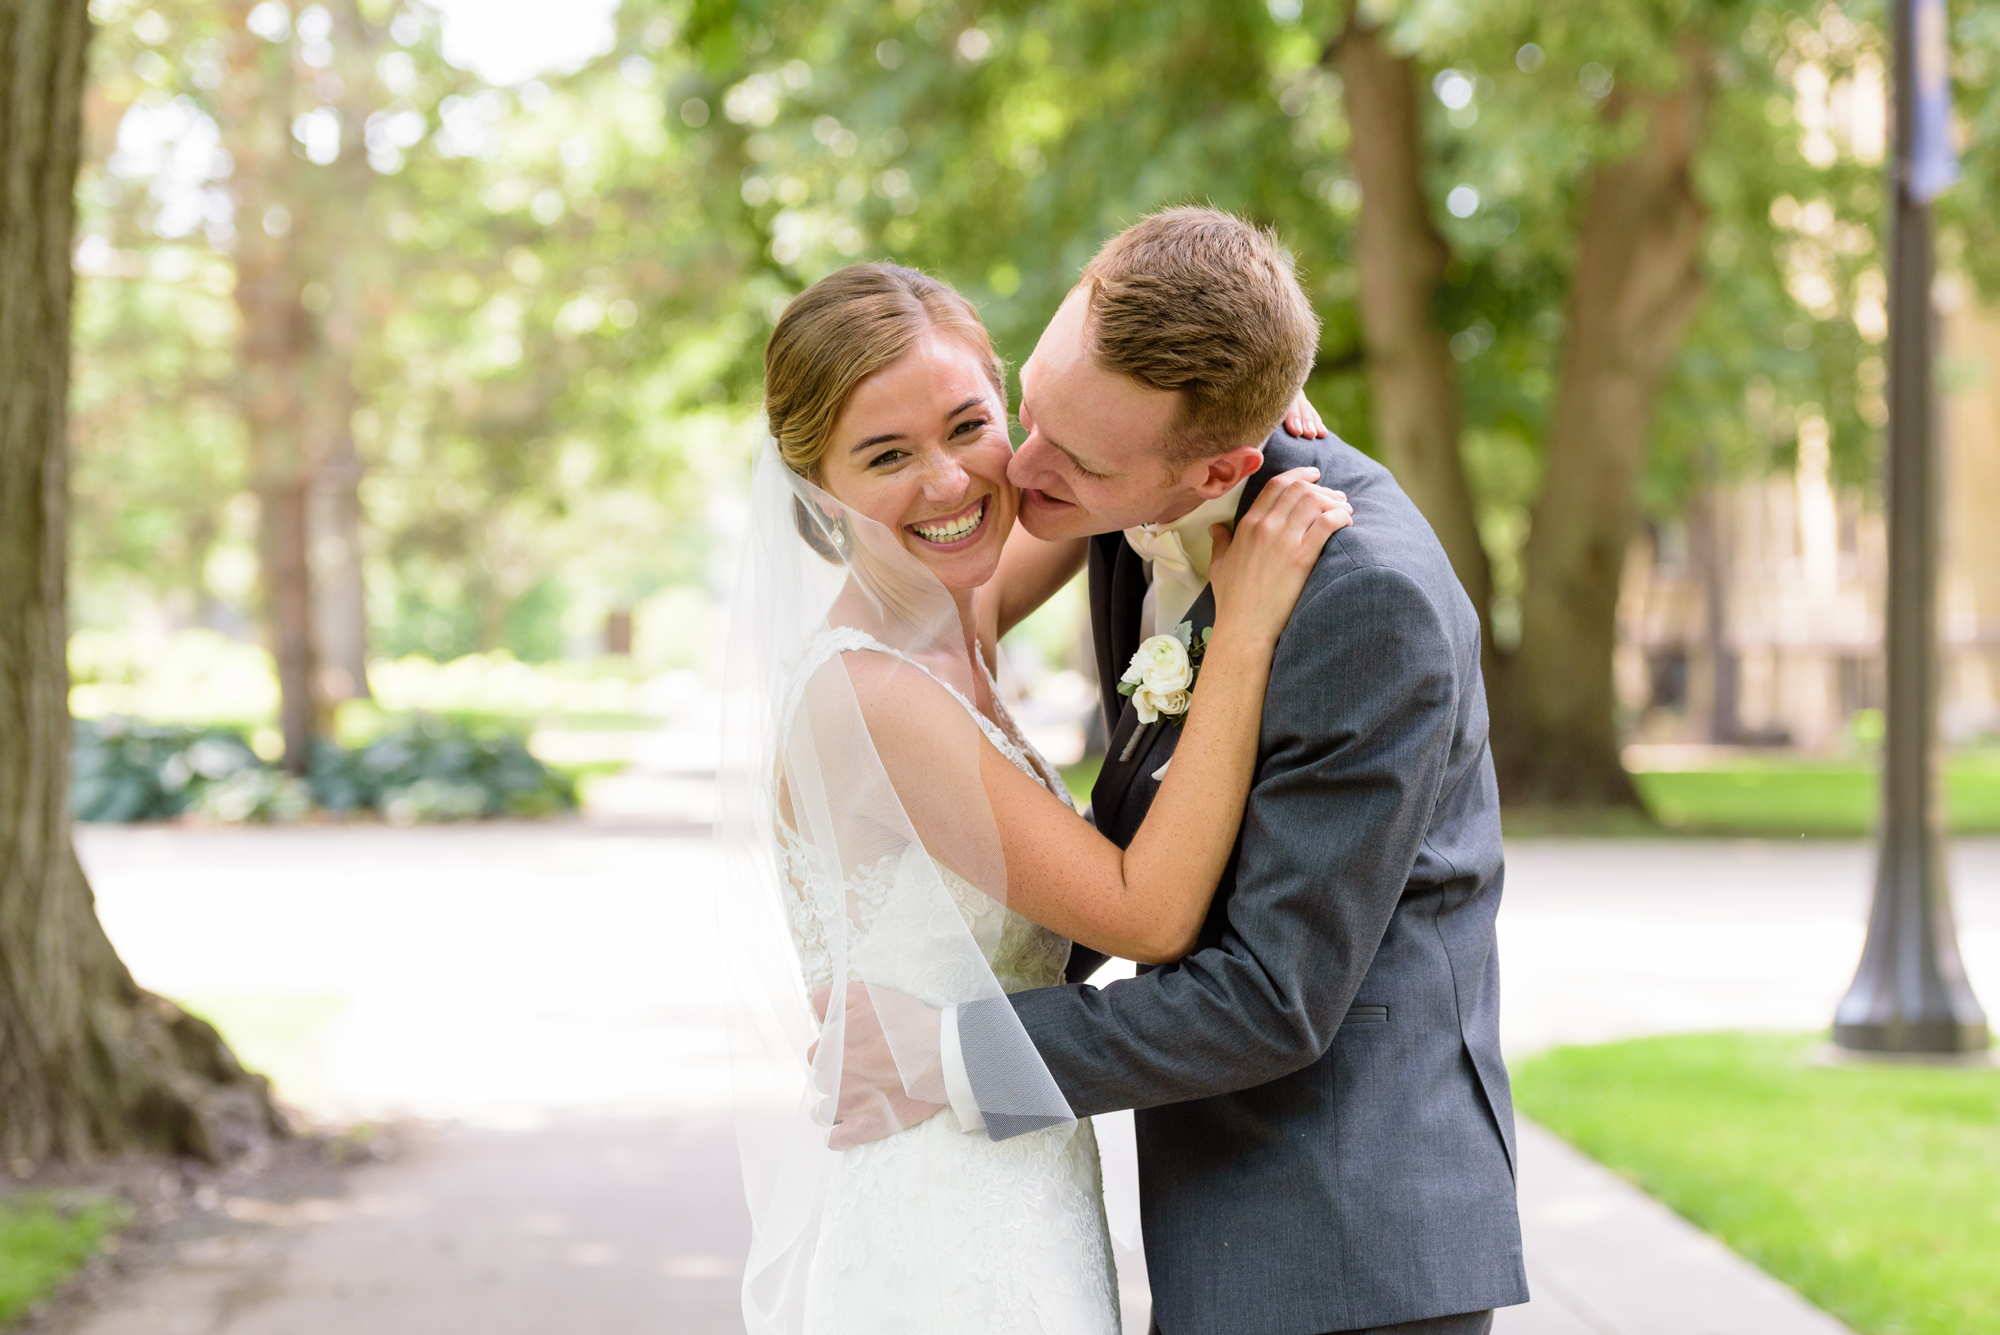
(1365, 1012)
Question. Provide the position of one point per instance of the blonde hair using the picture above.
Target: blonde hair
(845, 328)
(1203, 303)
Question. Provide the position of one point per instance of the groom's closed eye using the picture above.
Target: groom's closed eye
(1077, 463)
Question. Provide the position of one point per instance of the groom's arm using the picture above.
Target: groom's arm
(1358, 726)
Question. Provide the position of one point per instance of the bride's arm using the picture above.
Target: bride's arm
(1146, 902)
(1030, 572)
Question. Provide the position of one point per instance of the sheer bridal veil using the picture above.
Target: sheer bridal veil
(845, 854)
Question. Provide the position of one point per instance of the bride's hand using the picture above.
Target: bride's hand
(1258, 571)
(1302, 420)
(873, 1101)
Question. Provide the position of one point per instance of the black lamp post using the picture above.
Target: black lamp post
(1910, 994)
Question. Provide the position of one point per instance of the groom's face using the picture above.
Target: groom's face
(1096, 456)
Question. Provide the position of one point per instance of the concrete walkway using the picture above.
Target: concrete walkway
(541, 994)
(623, 1226)
(1604, 1259)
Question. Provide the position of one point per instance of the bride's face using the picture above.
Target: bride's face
(922, 449)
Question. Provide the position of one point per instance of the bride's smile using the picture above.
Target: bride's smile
(921, 448)
(953, 529)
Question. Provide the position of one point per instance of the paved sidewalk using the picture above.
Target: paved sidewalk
(1604, 1259)
(545, 996)
(586, 1226)
(634, 1226)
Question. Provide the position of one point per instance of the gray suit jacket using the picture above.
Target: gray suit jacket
(1326, 1135)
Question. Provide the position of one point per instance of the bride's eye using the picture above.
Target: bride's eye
(972, 424)
(885, 457)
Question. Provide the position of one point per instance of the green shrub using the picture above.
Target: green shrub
(265, 796)
(435, 770)
(126, 771)
(429, 769)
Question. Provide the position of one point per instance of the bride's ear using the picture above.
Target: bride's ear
(825, 532)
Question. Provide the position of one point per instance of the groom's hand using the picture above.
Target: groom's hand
(873, 1101)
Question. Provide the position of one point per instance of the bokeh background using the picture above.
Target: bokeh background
(416, 374)
(418, 348)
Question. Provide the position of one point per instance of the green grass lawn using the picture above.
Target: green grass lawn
(43, 1239)
(1873, 1191)
(1787, 798)
(1758, 798)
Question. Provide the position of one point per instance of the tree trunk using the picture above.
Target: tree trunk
(1712, 526)
(334, 514)
(1635, 289)
(1400, 261)
(333, 519)
(256, 127)
(88, 1061)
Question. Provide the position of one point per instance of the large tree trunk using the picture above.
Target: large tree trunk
(333, 519)
(1635, 289)
(334, 516)
(88, 1061)
(1400, 260)
(256, 127)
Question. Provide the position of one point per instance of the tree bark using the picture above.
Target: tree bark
(1400, 261)
(88, 1060)
(256, 101)
(334, 514)
(1635, 289)
(333, 520)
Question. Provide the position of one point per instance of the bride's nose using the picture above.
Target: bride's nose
(945, 479)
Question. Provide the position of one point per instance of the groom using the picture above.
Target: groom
(1326, 1135)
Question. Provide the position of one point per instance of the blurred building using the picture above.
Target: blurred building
(1758, 618)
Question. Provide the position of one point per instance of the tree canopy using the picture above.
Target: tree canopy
(539, 309)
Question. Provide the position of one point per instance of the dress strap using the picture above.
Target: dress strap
(847, 639)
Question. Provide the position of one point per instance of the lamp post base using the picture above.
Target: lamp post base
(1831, 1054)
(1913, 1038)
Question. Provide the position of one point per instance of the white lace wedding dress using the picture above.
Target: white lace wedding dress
(935, 1231)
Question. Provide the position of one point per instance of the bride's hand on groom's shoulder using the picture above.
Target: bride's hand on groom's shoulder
(1302, 420)
(873, 1102)
(1258, 570)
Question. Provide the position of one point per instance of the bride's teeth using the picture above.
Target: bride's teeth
(951, 532)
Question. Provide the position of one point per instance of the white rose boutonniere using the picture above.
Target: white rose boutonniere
(1161, 679)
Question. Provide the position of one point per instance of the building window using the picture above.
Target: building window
(1861, 684)
(1667, 679)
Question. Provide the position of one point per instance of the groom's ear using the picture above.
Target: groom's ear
(1215, 475)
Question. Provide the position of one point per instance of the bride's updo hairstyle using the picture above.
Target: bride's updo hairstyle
(845, 328)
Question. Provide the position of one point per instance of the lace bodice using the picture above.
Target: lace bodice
(888, 930)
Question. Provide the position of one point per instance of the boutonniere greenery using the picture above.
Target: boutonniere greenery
(1160, 681)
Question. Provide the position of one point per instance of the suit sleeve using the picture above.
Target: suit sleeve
(1357, 730)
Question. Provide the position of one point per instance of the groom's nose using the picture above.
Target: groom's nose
(1025, 469)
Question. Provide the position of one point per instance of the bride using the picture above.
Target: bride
(887, 823)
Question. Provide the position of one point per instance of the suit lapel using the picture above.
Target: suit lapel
(1117, 588)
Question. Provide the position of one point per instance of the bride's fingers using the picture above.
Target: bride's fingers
(1303, 420)
(1280, 495)
(1297, 504)
(1322, 514)
(1219, 537)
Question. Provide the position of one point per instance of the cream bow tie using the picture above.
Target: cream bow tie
(1164, 548)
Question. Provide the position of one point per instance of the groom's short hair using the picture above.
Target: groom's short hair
(1199, 302)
